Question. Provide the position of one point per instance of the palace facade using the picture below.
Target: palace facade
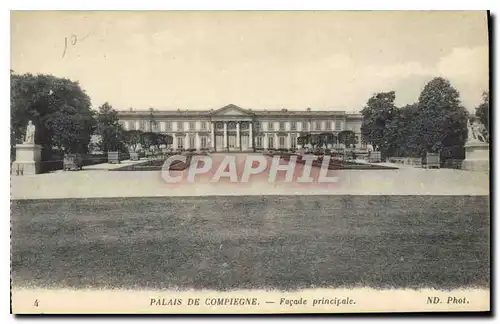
(236, 129)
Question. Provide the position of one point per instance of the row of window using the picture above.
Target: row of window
(316, 125)
(155, 126)
(259, 140)
(192, 142)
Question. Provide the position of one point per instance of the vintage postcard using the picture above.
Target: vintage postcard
(249, 162)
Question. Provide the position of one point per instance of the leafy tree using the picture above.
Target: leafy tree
(302, 140)
(483, 111)
(58, 108)
(148, 139)
(133, 139)
(154, 140)
(377, 114)
(440, 120)
(164, 139)
(109, 129)
(70, 130)
(327, 138)
(317, 140)
(347, 137)
(397, 135)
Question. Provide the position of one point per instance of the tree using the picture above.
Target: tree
(327, 138)
(154, 140)
(440, 120)
(164, 139)
(303, 140)
(109, 129)
(133, 139)
(377, 114)
(58, 107)
(397, 135)
(483, 111)
(347, 137)
(148, 140)
(70, 130)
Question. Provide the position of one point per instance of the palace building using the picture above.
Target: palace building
(236, 129)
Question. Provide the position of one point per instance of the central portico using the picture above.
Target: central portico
(232, 129)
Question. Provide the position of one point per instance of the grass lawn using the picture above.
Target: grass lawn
(283, 242)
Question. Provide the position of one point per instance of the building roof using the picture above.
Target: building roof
(232, 109)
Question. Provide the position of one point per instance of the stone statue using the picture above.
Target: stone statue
(476, 132)
(30, 133)
(470, 132)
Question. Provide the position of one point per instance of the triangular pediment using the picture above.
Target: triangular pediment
(231, 110)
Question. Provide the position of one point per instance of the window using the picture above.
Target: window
(338, 124)
(203, 125)
(204, 141)
(282, 126)
(168, 126)
(293, 125)
(257, 125)
(271, 141)
(317, 125)
(180, 142)
(191, 142)
(270, 125)
(282, 141)
(294, 141)
(154, 126)
(191, 126)
(328, 125)
(144, 125)
(258, 141)
(304, 126)
(180, 126)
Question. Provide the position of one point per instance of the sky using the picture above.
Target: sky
(325, 60)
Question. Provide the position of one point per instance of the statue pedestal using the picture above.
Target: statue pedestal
(28, 157)
(477, 156)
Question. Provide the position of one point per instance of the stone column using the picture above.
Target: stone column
(265, 144)
(212, 143)
(174, 141)
(289, 141)
(276, 141)
(186, 142)
(225, 135)
(238, 135)
(250, 135)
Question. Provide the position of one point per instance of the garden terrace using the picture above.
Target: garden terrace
(334, 163)
(155, 163)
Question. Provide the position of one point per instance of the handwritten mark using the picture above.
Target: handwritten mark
(73, 41)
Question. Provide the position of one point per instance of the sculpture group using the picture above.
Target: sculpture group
(476, 132)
